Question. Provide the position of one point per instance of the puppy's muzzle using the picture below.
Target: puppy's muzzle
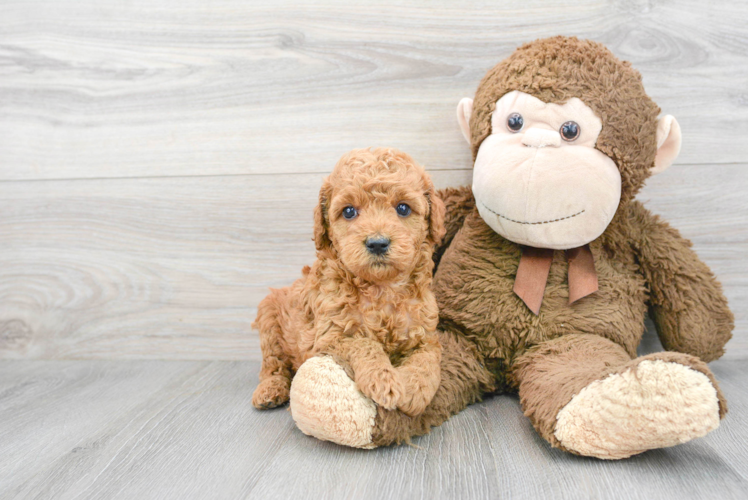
(377, 245)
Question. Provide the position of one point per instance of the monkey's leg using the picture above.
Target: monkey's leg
(277, 369)
(326, 403)
(584, 394)
(463, 381)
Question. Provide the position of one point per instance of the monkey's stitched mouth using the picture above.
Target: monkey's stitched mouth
(531, 223)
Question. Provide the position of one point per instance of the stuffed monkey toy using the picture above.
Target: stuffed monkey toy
(548, 270)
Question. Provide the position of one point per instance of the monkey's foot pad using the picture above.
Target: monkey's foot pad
(327, 404)
(652, 405)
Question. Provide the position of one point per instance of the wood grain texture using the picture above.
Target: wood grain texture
(185, 429)
(175, 267)
(159, 160)
(167, 87)
(149, 268)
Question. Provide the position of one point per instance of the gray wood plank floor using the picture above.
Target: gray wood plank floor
(185, 429)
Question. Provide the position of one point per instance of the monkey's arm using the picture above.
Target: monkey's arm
(458, 202)
(686, 301)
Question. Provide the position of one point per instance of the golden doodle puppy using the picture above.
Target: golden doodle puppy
(367, 300)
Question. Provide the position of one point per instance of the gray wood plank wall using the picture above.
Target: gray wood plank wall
(160, 159)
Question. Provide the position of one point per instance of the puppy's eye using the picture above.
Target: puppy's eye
(349, 213)
(570, 131)
(403, 210)
(515, 122)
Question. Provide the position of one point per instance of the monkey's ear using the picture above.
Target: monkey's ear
(464, 111)
(668, 143)
(321, 226)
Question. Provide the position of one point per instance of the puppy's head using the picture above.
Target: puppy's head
(379, 214)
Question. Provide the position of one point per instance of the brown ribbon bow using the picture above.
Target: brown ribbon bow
(535, 264)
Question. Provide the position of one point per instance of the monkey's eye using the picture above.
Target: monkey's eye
(403, 210)
(349, 213)
(570, 131)
(515, 122)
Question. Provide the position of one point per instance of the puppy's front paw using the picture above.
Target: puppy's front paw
(384, 387)
(414, 404)
(419, 389)
(271, 392)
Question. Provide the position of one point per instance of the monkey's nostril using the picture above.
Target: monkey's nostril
(377, 245)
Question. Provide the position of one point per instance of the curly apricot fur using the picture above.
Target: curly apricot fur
(377, 314)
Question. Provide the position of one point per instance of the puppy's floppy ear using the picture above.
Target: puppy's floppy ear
(436, 215)
(321, 219)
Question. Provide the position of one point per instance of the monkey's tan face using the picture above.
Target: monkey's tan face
(538, 179)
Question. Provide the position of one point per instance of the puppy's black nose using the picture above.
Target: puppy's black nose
(378, 245)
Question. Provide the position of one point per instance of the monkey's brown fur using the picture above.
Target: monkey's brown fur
(492, 342)
(376, 314)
